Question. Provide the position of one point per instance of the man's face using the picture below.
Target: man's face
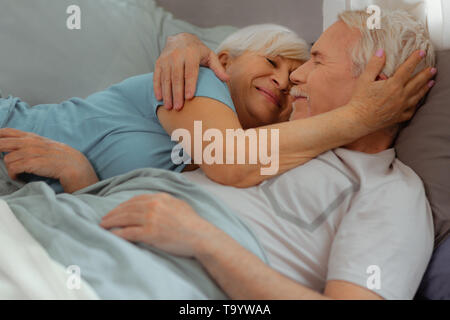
(326, 81)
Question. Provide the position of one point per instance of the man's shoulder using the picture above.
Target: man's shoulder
(404, 180)
(398, 194)
(377, 173)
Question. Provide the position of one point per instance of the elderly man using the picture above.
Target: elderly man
(354, 223)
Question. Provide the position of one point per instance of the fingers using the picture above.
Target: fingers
(132, 234)
(131, 205)
(191, 70)
(14, 170)
(181, 83)
(157, 82)
(413, 102)
(14, 156)
(169, 80)
(374, 67)
(123, 219)
(29, 144)
(11, 144)
(12, 133)
(22, 166)
(178, 85)
(166, 84)
(406, 70)
(420, 80)
(176, 70)
(415, 99)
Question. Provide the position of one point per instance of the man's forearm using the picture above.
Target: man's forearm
(242, 275)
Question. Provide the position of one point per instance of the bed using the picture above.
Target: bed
(47, 62)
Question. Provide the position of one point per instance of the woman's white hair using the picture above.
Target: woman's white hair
(400, 35)
(269, 39)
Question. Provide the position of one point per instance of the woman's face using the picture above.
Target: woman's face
(259, 86)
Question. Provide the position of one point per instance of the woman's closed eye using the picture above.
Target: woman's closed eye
(273, 63)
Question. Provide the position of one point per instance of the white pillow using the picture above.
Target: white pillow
(434, 12)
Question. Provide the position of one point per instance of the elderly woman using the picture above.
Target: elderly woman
(79, 141)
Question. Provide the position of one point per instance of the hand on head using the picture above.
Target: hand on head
(176, 70)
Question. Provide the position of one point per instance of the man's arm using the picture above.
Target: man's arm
(172, 225)
(176, 70)
(389, 229)
(242, 275)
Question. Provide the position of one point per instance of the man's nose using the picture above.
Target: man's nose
(299, 75)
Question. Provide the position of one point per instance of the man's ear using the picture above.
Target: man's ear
(225, 58)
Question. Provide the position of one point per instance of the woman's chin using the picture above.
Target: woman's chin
(264, 119)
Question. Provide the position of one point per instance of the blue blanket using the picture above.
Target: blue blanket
(66, 225)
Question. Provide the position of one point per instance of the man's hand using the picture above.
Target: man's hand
(30, 153)
(176, 70)
(382, 103)
(159, 220)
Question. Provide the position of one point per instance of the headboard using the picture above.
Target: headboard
(302, 16)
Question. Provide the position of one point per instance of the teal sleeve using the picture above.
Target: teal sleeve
(208, 86)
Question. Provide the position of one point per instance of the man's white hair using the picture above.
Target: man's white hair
(400, 35)
(269, 39)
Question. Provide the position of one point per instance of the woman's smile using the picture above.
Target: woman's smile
(269, 96)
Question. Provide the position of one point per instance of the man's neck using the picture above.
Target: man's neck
(375, 142)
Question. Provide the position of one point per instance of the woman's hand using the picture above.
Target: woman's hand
(162, 221)
(383, 103)
(179, 63)
(30, 153)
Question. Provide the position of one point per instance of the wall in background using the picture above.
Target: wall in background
(302, 16)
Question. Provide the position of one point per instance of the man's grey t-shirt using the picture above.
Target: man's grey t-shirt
(345, 215)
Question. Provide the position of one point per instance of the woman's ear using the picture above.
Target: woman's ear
(225, 58)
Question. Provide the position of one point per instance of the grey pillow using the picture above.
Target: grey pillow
(424, 145)
(42, 61)
(435, 284)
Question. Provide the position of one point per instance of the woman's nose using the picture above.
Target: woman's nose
(282, 82)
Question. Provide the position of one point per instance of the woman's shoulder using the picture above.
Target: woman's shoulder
(210, 77)
(210, 86)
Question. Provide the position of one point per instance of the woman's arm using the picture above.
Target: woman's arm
(299, 141)
(375, 105)
(31, 153)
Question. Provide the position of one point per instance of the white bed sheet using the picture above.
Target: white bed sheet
(27, 271)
